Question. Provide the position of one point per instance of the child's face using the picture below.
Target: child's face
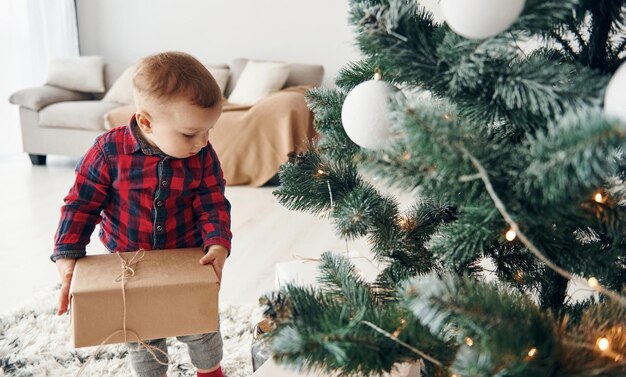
(178, 128)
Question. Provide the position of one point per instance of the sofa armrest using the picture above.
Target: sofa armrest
(41, 96)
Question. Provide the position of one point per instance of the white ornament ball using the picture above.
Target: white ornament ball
(481, 19)
(364, 114)
(615, 95)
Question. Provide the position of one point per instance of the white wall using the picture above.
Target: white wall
(217, 31)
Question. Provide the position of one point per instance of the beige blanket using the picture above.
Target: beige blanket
(253, 141)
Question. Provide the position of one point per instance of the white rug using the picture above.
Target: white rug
(34, 341)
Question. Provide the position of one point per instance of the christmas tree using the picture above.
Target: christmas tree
(509, 124)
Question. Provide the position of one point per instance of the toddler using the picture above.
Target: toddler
(154, 184)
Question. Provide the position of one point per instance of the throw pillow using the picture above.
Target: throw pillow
(83, 74)
(221, 75)
(257, 81)
(122, 89)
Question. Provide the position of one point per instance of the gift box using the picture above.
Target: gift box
(271, 369)
(260, 349)
(306, 271)
(163, 293)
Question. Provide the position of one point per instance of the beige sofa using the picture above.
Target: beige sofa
(66, 122)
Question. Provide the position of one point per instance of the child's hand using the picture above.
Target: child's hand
(217, 257)
(66, 270)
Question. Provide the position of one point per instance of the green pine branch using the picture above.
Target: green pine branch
(573, 157)
(532, 120)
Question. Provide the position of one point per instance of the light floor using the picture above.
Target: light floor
(265, 233)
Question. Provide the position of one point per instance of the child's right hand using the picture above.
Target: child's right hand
(66, 269)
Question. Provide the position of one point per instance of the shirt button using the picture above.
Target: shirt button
(164, 183)
(159, 228)
(159, 203)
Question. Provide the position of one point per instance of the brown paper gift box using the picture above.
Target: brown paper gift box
(170, 294)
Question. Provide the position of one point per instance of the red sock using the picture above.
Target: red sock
(215, 373)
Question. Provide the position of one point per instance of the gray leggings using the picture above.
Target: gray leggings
(205, 351)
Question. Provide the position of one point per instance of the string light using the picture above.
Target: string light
(484, 176)
(593, 282)
(603, 344)
(356, 218)
(447, 116)
(406, 224)
(599, 198)
(469, 341)
(532, 352)
(519, 276)
(510, 235)
(406, 156)
(402, 320)
(320, 172)
(378, 75)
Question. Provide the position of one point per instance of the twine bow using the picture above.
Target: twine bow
(127, 272)
(127, 266)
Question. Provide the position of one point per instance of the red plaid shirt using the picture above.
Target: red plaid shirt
(143, 198)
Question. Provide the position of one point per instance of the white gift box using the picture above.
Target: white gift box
(306, 271)
(271, 369)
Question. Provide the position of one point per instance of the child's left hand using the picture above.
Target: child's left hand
(216, 255)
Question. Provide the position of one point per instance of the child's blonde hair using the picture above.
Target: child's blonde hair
(176, 74)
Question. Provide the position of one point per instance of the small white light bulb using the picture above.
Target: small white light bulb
(603, 344)
(510, 235)
(593, 282)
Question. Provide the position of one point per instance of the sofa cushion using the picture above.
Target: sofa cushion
(305, 74)
(221, 75)
(41, 96)
(236, 67)
(86, 115)
(258, 80)
(121, 91)
(112, 71)
(83, 74)
(118, 116)
(299, 74)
